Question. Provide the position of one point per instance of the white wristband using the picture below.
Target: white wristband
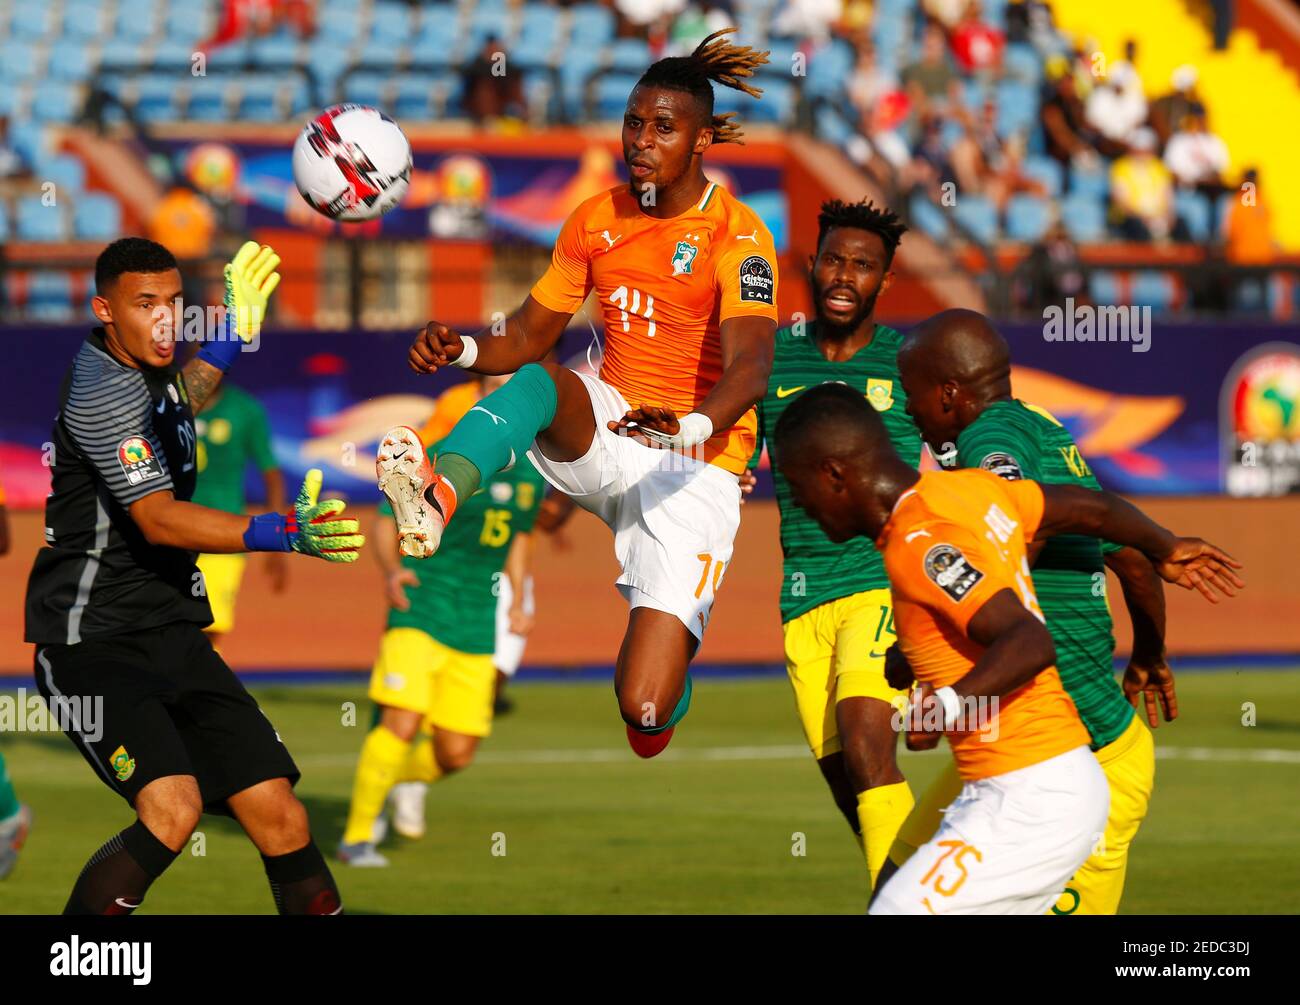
(951, 706)
(467, 355)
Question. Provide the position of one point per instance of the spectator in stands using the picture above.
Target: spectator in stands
(1030, 21)
(12, 164)
(930, 168)
(983, 165)
(931, 79)
(643, 18)
(882, 107)
(1069, 137)
(492, 91)
(945, 13)
(1197, 157)
(1169, 110)
(1053, 271)
(977, 47)
(1142, 193)
(1115, 111)
(697, 21)
(809, 20)
(1248, 225)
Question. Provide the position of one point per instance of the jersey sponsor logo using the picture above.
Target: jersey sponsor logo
(684, 257)
(880, 393)
(122, 763)
(757, 281)
(1003, 465)
(950, 570)
(139, 463)
(785, 392)
(162, 404)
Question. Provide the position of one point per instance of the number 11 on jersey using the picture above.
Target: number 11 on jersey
(619, 298)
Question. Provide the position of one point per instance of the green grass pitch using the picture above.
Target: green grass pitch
(712, 826)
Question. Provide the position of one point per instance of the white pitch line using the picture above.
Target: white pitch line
(787, 752)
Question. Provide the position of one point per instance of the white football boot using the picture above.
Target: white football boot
(408, 480)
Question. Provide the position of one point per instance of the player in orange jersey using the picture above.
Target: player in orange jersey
(685, 279)
(1034, 799)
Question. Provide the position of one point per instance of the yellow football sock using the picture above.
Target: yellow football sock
(881, 811)
(382, 757)
(421, 765)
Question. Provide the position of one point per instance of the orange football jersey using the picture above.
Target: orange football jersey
(448, 409)
(664, 287)
(954, 540)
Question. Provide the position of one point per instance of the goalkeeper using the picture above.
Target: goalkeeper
(114, 606)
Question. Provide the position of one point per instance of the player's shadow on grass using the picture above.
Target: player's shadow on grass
(1268, 726)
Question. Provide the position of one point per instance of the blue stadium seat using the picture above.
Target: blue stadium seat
(929, 218)
(189, 23)
(539, 93)
(368, 88)
(259, 98)
(83, 20)
(56, 102)
(781, 58)
(338, 24)
(978, 216)
(1046, 170)
(4, 223)
(1084, 217)
(831, 125)
(1022, 62)
(298, 97)
(776, 105)
(575, 70)
(629, 55)
(1017, 107)
(207, 100)
(29, 139)
(1094, 183)
(1195, 210)
(135, 22)
(484, 23)
(610, 95)
(155, 98)
(414, 98)
(174, 52)
(1103, 287)
(69, 61)
(119, 53)
(829, 68)
(277, 50)
(540, 28)
(17, 61)
(49, 296)
(1028, 217)
(32, 21)
(593, 26)
(1153, 289)
(34, 221)
(390, 26)
(97, 217)
(328, 64)
(67, 173)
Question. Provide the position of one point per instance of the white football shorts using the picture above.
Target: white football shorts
(509, 651)
(1008, 844)
(674, 516)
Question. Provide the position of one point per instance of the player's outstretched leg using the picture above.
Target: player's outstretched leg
(276, 822)
(119, 874)
(652, 679)
(490, 436)
(15, 822)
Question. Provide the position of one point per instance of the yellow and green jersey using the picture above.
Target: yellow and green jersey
(456, 600)
(816, 569)
(231, 432)
(1016, 440)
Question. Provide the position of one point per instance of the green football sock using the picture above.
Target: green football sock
(679, 712)
(8, 798)
(498, 430)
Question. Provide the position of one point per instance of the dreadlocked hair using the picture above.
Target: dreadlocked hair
(714, 60)
(863, 215)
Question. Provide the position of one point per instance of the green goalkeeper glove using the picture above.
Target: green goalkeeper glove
(312, 528)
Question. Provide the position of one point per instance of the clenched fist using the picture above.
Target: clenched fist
(435, 347)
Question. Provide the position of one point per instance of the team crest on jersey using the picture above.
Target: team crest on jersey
(501, 492)
(880, 393)
(123, 764)
(949, 570)
(1003, 465)
(139, 462)
(684, 257)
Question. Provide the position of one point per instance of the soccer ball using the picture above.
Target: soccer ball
(352, 163)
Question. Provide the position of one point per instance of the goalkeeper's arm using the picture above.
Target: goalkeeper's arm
(311, 527)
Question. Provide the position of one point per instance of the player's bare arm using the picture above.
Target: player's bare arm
(397, 577)
(528, 335)
(747, 345)
(1188, 562)
(519, 561)
(1017, 646)
(1148, 674)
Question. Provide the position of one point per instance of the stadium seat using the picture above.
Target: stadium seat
(29, 139)
(1153, 289)
(929, 218)
(777, 104)
(593, 26)
(978, 217)
(35, 221)
(1094, 183)
(629, 55)
(4, 223)
(414, 98)
(135, 23)
(609, 96)
(390, 26)
(207, 99)
(1084, 218)
(1104, 287)
(1017, 107)
(829, 68)
(1022, 62)
(831, 125)
(278, 50)
(69, 61)
(259, 98)
(67, 173)
(83, 20)
(1195, 209)
(338, 25)
(31, 21)
(155, 98)
(189, 23)
(96, 217)
(368, 88)
(49, 296)
(327, 64)
(1046, 170)
(17, 61)
(1028, 217)
(119, 54)
(539, 34)
(56, 102)
(781, 55)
